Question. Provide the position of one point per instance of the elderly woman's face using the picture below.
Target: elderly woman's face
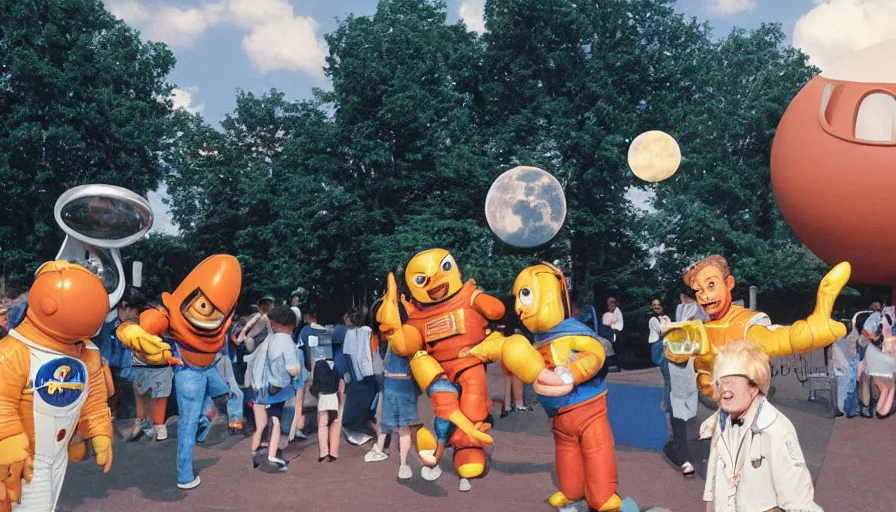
(736, 394)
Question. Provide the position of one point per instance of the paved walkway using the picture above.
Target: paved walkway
(850, 458)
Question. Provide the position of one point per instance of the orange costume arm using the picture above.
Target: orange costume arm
(95, 419)
(15, 365)
(588, 361)
(154, 321)
(487, 306)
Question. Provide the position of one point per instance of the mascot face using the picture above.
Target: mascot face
(712, 287)
(67, 301)
(542, 301)
(433, 276)
(834, 162)
(200, 308)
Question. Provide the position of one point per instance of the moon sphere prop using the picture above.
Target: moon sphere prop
(654, 156)
(525, 207)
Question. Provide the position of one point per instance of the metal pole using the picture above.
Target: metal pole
(753, 292)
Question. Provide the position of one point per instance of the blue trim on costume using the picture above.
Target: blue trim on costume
(582, 392)
(63, 370)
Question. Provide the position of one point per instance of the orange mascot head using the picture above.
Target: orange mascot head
(200, 308)
(67, 302)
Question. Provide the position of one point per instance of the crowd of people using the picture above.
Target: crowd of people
(356, 386)
(864, 364)
(342, 376)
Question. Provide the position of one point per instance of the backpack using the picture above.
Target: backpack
(265, 379)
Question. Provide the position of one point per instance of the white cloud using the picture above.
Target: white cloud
(129, 10)
(183, 98)
(473, 14)
(730, 7)
(178, 27)
(835, 28)
(277, 38)
(289, 45)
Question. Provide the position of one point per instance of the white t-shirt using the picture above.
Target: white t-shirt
(656, 324)
(613, 320)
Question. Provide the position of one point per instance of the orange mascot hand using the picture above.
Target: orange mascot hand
(388, 315)
(102, 445)
(16, 464)
(150, 349)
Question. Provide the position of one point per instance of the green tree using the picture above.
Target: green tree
(721, 200)
(82, 100)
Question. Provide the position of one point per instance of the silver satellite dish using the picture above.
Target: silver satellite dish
(98, 220)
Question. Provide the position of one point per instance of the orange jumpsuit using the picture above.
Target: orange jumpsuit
(584, 457)
(447, 328)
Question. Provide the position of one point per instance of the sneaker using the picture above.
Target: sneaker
(205, 426)
(161, 433)
(430, 474)
(506, 412)
(356, 438)
(189, 485)
(521, 408)
(278, 464)
(375, 455)
(236, 427)
(405, 472)
(464, 485)
(300, 435)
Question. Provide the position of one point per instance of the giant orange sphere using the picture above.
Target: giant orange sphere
(833, 164)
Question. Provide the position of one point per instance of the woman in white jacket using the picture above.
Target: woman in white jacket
(755, 461)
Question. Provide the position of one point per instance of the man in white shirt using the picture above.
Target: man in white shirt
(613, 319)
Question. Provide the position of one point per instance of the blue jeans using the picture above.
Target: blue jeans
(193, 384)
(234, 405)
(235, 402)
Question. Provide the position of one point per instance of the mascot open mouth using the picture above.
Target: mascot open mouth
(439, 292)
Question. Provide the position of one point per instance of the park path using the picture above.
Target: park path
(849, 458)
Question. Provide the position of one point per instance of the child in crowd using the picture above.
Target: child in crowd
(327, 386)
(274, 364)
(399, 411)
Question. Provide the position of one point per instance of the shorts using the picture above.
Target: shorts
(328, 402)
(275, 410)
(157, 380)
(399, 404)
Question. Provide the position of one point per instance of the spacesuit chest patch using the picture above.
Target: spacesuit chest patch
(61, 381)
(444, 326)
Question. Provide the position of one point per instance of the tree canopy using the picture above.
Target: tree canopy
(82, 100)
(333, 192)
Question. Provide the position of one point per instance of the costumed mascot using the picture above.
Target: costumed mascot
(712, 282)
(197, 317)
(53, 393)
(563, 367)
(445, 317)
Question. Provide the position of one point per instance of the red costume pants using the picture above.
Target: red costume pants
(475, 404)
(586, 464)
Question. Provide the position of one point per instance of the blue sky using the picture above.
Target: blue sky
(255, 45)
